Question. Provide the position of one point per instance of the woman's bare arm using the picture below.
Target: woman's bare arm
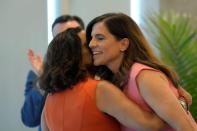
(43, 122)
(154, 87)
(112, 101)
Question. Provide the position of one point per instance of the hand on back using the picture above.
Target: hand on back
(186, 95)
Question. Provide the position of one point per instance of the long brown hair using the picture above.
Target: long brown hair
(122, 26)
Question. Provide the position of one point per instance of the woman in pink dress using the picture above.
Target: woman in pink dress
(123, 57)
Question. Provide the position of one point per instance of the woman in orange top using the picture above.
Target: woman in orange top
(74, 99)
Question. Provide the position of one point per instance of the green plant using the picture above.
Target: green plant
(174, 38)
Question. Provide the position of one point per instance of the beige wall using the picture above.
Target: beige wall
(183, 6)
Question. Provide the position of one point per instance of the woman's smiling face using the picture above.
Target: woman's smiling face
(105, 47)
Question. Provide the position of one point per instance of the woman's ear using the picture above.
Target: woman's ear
(124, 44)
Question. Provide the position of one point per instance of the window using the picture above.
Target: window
(135, 10)
(51, 15)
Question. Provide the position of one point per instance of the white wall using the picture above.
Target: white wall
(88, 9)
(148, 7)
(22, 25)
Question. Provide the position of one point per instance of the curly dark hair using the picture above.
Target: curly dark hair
(62, 63)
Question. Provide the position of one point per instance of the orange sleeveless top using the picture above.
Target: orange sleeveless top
(75, 110)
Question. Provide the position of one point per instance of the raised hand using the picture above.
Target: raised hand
(35, 60)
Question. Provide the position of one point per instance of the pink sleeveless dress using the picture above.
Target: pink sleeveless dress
(131, 90)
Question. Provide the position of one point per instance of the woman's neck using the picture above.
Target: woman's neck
(115, 65)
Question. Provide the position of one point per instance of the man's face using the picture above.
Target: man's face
(60, 27)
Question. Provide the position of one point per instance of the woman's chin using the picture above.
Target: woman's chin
(97, 63)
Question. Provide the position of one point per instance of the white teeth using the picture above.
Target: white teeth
(96, 52)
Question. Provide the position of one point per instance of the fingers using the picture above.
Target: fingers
(30, 54)
(39, 57)
(187, 96)
(35, 60)
(33, 57)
